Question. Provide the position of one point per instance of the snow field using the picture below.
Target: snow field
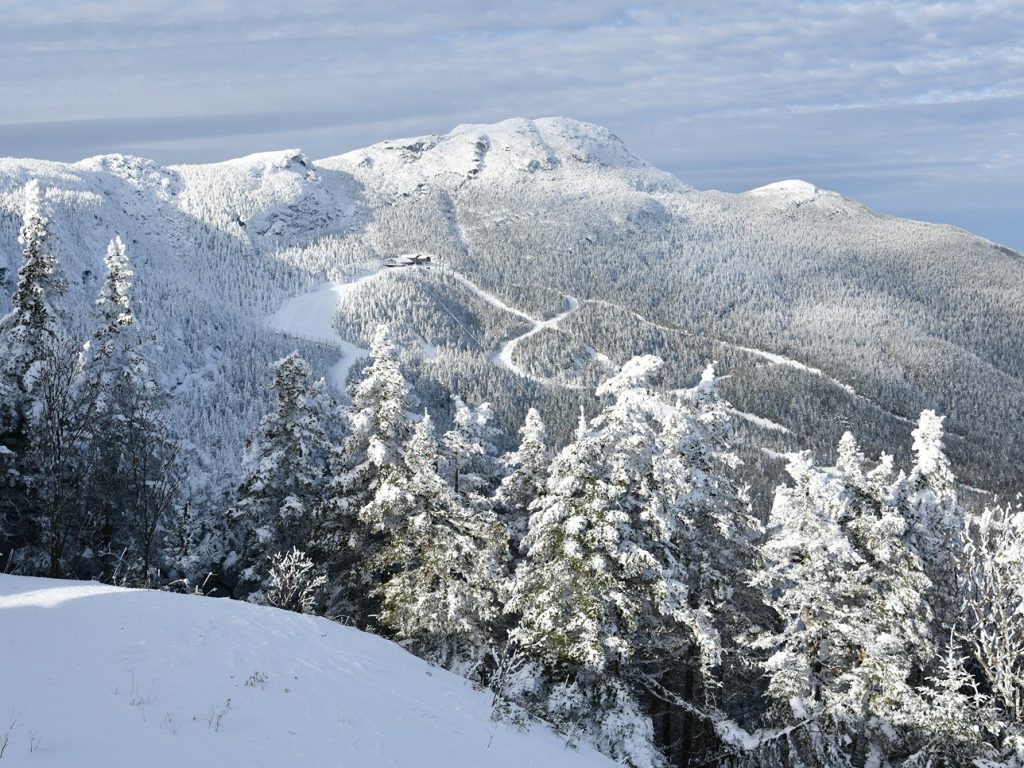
(94, 675)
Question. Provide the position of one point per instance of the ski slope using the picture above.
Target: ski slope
(504, 356)
(92, 675)
(311, 317)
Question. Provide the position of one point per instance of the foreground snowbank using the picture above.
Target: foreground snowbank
(93, 675)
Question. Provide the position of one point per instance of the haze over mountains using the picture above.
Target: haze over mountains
(554, 253)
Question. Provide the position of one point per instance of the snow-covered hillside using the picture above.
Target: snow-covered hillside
(93, 675)
(555, 250)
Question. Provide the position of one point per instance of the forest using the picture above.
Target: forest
(621, 579)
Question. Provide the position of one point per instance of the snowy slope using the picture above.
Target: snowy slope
(92, 675)
(820, 312)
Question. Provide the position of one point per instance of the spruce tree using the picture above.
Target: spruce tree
(526, 474)
(578, 612)
(855, 625)
(377, 428)
(635, 554)
(469, 454)
(49, 411)
(137, 471)
(282, 485)
(30, 325)
(440, 563)
(930, 504)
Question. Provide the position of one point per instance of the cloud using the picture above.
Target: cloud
(908, 104)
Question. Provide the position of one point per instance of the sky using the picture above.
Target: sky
(913, 108)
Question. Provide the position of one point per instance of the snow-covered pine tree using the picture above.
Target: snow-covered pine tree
(32, 320)
(114, 302)
(635, 557)
(568, 564)
(469, 453)
(525, 479)
(850, 599)
(282, 486)
(49, 411)
(440, 564)
(30, 324)
(137, 473)
(598, 583)
(377, 428)
(577, 612)
(709, 537)
(56, 467)
(929, 502)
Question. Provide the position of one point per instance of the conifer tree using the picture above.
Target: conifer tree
(561, 588)
(855, 624)
(49, 409)
(577, 609)
(378, 426)
(136, 457)
(707, 551)
(283, 466)
(929, 502)
(468, 457)
(30, 326)
(440, 563)
(526, 474)
(114, 302)
(635, 552)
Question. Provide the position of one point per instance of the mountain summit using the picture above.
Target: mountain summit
(545, 252)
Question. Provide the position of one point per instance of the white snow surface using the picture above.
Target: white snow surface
(791, 189)
(311, 317)
(513, 148)
(95, 675)
(760, 421)
(795, 192)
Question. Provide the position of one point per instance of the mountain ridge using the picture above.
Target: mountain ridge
(907, 314)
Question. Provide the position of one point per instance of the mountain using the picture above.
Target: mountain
(553, 254)
(96, 675)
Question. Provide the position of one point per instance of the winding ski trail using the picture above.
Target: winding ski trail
(310, 316)
(773, 358)
(504, 356)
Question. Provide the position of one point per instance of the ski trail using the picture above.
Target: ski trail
(311, 317)
(489, 297)
(788, 362)
(760, 421)
(787, 457)
(772, 357)
(504, 356)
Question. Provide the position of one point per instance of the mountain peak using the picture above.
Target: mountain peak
(504, 150)
(792, 193)
(794, 190)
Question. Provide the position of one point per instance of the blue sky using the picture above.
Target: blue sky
(914, 108)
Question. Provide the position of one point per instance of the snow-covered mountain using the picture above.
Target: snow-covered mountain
(96, 675)
(553, 251)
